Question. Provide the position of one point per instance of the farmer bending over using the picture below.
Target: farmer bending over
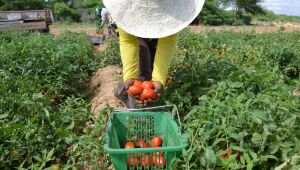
(104, 19)
(148, 30)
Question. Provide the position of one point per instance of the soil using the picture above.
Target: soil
(103, 83)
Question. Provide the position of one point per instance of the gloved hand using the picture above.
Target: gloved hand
(157, 89)
(135, 102)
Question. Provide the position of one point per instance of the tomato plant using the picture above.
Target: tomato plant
(236, 93)
(233, 90)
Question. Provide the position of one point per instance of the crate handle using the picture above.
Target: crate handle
(153, 108)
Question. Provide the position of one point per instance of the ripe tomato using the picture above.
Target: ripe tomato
(147, 85)
(143, 144)
(148, 94)
(156, 141)
(142, 98)
(138, 84)
(129, 145)
(158, 154)
(132, 161)
(225, 156)
(133, 90)
(159, 161)
(229, 152)
(146, 161)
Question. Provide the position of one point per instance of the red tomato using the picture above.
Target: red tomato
(138, 84)
(143, 144)
(147, 85)
(156, 141)
(132, 161)
(229, 151)
(148, 94)
(159, 161)
(225, 156)
(129, 145)
(155, 96)
(142, 98)
(146, 161)
(133, 90)
(158, 154)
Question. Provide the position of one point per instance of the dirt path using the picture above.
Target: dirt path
(103, 83)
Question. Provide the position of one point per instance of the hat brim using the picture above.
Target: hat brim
(155, 20)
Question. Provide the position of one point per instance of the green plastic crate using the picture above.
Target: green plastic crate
(137, 124)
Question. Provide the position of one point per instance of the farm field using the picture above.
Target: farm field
(260, 27)
(238, 95)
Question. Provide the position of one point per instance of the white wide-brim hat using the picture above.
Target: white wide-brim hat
(153, 18)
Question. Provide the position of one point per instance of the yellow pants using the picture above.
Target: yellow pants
(129, 49)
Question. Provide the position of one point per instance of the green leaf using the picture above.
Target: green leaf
(218, 141)
(203, 98)
(256, 138)
(260, 115)
(273, 148)
(50, 154)
(28, 102)
(235, 136)
(39, 159)
(2, 116)
(191, 113)
(266, 157)
(37, 96)
(236, 85)
(210, 157)
(69, 139)
(46, 112)
(71, 126)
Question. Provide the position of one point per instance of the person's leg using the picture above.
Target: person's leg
(146, 57)
(152, 49)
(145, 68)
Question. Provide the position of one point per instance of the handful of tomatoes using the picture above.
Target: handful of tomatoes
(143, 90)
(145, 160)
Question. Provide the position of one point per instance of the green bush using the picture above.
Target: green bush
(64, 13)
(42, 111)
(247, 19)
(236, 94)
